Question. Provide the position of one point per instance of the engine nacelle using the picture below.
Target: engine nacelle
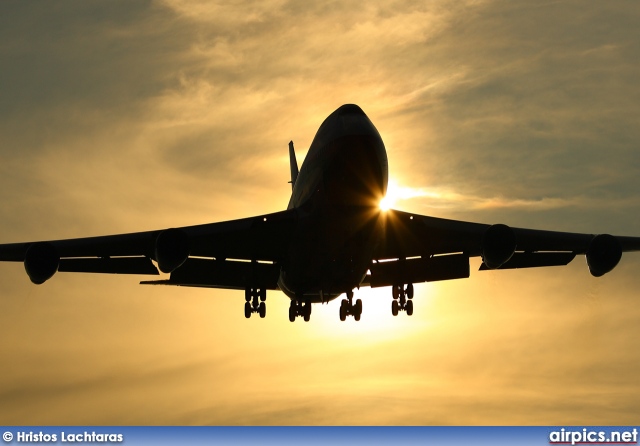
(41, 262)
(172, 249)
(498, 245)
(603, 255)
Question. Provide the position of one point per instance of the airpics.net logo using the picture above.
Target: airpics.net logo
(592, 436)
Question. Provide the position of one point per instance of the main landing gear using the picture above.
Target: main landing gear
(348, 308)
(300, 308)
(252, 305)
(402, 299)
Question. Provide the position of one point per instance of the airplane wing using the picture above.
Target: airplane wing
(429, 249)
(256, 244)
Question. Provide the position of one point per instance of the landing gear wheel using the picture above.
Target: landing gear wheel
(409, 291)
(409, 307)
(306, 310)
(394, 307)
(255, 301)
(292, 312)
(358, 310)
(343, 310)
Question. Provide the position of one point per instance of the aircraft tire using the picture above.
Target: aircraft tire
(394, 307)
(409, 307)
(247, 310)
(262, 309)
(409, 291)
(292, 314)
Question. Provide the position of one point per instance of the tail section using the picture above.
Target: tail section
(293, 164)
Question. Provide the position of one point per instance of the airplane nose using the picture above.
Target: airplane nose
(349, 109)
(347, 120)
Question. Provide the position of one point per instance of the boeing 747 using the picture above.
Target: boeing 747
(332, 238)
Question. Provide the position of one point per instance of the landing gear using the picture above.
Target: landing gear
(255, 302)
(300, 308)
(347, 307)
(408, 307)
(402, 299)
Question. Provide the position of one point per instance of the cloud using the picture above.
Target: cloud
(537, 107)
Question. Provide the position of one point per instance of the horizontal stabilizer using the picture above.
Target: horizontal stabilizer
(535, 260)
(204, 273)
(190, 285)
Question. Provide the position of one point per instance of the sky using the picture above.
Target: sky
(128, 116)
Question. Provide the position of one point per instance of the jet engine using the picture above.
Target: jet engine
(41, 262)
(603, 255)
(172, 249)
(498, 245)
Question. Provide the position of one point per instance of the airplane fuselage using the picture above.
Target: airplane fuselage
(336, 196)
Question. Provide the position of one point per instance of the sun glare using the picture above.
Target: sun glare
(389, 200)
(386, 203)
(396, 193)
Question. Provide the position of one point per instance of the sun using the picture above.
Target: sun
(386, 203)
(389, 200)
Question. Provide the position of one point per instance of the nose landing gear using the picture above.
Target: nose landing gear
(255, 302)
(402, 299)
(348, 308)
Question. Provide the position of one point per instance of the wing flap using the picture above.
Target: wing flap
(120, 265)
(534, 260)
(447, 267)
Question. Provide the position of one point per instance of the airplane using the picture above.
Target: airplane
(333, 238)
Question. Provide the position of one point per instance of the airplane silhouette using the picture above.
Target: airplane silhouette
(332, 239)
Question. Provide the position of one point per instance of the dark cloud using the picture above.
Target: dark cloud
(103, 55)
(541, 102)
